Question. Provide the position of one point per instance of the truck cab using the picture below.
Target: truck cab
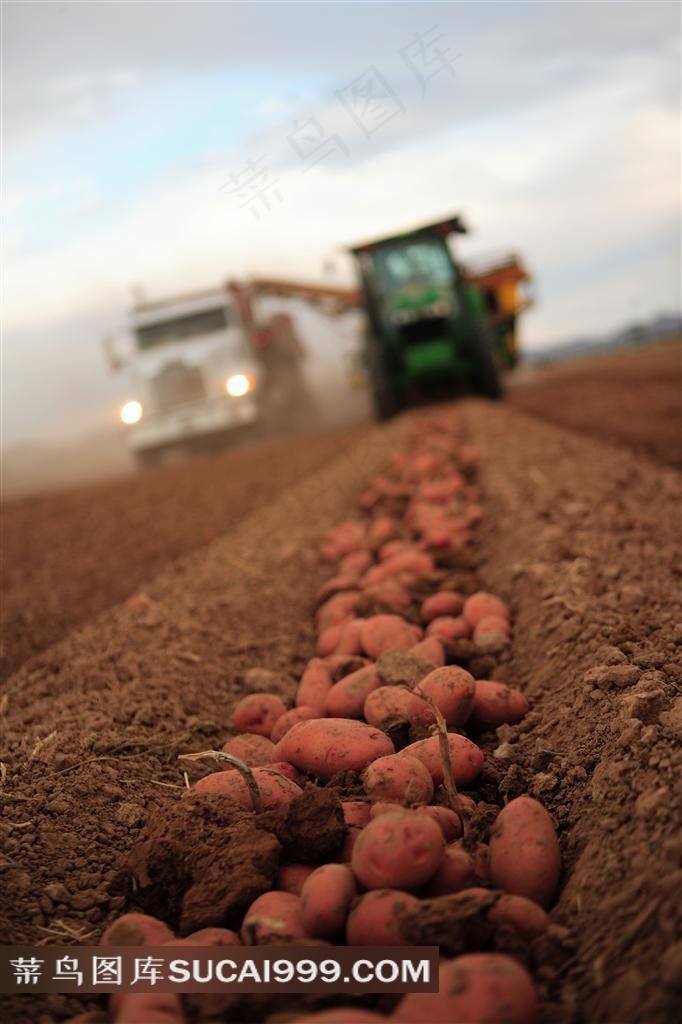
(193, 373)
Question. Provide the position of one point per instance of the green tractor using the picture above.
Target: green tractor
(433, 329)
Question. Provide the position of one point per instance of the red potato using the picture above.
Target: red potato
(492, 634)
(430, 649)
(348, 641)
(286, 769)
(449, 820)
(289, 719)
(356, 812)
(465, 757)
(208, 937)
(257, 713)
(496, 704)
(392, 547)
(452, 691)
(337, 609)
(384, 807)
(444, 603)
(492, 624)
(341, 665)
(479, 988)
(375, 918)
(354, 564)
(346, 699)
(387, 702)
(401, 850)
(290, 877)
(275, 789)
(480, 605)
(456, 872)
(524, 851)
(409, 561)
(149, 1008)
(342, 1015)
(325, 900)
(381, 530)
(445, 627)
(382, 633)
(315, 684)
(525, 916)
(332, 745)
(251, 748)
(328, 641)
(398, 777)
(136, 930)
(390, 594)
(349, 842)
(273, 915)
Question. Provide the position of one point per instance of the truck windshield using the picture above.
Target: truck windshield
(182, 328)
(418, 262)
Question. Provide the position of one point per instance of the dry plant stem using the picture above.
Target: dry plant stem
(219, 755)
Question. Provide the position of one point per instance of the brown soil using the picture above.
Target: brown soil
(631, 397)
(66, 557)
(580, 537)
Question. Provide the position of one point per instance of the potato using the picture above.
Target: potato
(390, 594)
(341, 665)
(381, 530)
(456, 872)
(392, 547)
(251, 748)
(398, 777)
(346, 699)
(290, 877)
(444, 603)
(410, 563)
(381, 633)
(275, 914)
(336, 585)
(496, 704)
(275, 789)
(326, 898)
(208, 937)
(384, 807)
(356, 812)
(349, 842)
(136, 930)
(148, 1007)
(337, 609)
(327, 641)
(332, 745)
(465, 757)
(524, 851)
(479, 988)
(452, 691)
(401, 850)
(348, 641)
(257, 713)
(286, 769)
(445, 627)
(386, 702)
(302, 713)
(315, 684)
(342, 1015)
(492, 624)
(492, 634)
(355, 563)
(430, 649)
(481, 605)
(449, 820)
(525, 916)
(374, 919)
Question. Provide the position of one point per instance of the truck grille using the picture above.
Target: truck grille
(176, 384)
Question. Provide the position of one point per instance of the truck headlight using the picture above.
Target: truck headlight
(239, 384)
(131, 412)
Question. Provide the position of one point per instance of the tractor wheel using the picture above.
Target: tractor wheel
(386, 402)
(486, 377)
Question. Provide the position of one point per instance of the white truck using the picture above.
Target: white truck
(192, 371)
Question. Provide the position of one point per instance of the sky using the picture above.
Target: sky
(160, 147)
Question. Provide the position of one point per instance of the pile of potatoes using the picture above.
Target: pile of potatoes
(405, 829)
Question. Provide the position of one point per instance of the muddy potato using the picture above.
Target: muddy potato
(398, 777)
(447, 627)
(136, 930)
(401, 850)
(257, 713)
(481, 605)
(456, 872)
(524, 915)
(326, 898)
(479, 988)
(208, 937)
(374, 919)
(356, 563)
(465, 757)
(332, 745)
(290, 877)
(346, 699)
(452, 691)
(449, 821)
(251, 748)
(496, 704)
(386, 702)
(274, 788)
(381, 633)
(315, 684)
(443, 603)
(524, 856)
(430, 649)
(302, 713)
(341, 1015)
(356, 812)
(273, 915)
